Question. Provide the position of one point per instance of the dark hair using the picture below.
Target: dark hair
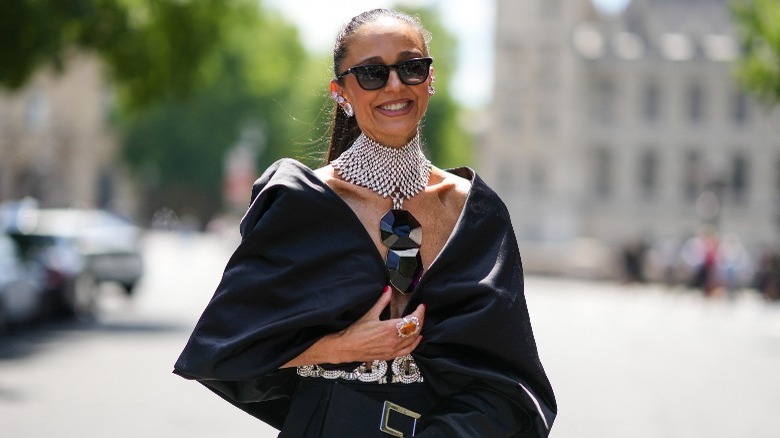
(344, 130)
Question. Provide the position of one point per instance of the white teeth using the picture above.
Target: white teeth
(395, 106)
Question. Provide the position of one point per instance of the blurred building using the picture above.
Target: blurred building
(609, 129)
(56, 144)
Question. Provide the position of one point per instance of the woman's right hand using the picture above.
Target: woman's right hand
(367, 339)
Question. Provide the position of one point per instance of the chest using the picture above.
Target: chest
(435, 210)
(436, 217)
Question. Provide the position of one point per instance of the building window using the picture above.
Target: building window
(740, 175)
(602, 172)
(547, 73)
(692, 174)
(603, 104)
(550, 9)
(651, 102)
(648, 173)
(739, 108)
(546, 121)
(538, 179)
(777, 179)
(37, 111)
(696, 103)
(506, 178)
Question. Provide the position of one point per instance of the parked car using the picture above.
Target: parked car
(106, 249)
(69, 288)
(20, 292)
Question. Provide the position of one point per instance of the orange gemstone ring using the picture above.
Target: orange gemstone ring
(407, 326)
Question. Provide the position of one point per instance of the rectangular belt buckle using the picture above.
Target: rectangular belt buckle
(384, 426)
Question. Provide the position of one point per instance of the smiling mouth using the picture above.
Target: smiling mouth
(396, 106)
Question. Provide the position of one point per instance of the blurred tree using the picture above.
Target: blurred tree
(256, 81)
(447, 142)
(759, 66)
(154, 48)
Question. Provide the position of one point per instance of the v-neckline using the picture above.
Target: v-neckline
(377, 256)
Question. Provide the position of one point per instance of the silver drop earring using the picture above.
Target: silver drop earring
(348, 109)
(346, 106)
(431, 90)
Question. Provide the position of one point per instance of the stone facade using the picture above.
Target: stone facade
(56, 142)
(617, 128)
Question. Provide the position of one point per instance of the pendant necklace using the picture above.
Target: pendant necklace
(399, 173)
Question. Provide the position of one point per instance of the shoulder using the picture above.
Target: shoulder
(283, 168)
(326, 173)
(287, 173)
(482, 199)
(459, 184)
(286, 186)
(452, 190)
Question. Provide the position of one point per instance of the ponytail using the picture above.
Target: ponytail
(343, 132)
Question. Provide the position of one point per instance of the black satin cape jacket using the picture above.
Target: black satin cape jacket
(307, 267)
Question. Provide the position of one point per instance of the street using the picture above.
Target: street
(624, 360)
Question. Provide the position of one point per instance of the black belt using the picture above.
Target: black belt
(353, 414)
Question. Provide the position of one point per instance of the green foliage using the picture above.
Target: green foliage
(37, 32)
(153, 48)
(181, 142)
(759, 68)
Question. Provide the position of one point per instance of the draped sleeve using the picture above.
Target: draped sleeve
(300, 272)
(478, 339)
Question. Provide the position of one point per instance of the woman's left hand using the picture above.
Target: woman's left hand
(370, 338)
(367, 339)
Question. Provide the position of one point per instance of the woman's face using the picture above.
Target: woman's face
(391, 114)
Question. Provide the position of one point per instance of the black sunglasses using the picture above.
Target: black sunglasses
(373, 77)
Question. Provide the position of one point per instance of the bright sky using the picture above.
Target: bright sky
(471, 21)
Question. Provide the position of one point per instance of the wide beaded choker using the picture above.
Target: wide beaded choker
(399, 173)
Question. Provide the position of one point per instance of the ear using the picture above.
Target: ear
(430, 76)
(335, 87)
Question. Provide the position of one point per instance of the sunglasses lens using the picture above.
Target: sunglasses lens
(414, 71)
(371, 77)
(374, 77)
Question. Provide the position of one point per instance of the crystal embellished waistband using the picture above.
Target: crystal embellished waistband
(404, 370)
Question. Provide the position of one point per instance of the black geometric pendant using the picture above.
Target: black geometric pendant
(402, 234)
(405, 268)
(400, 230)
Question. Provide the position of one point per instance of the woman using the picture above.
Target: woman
(378, 295)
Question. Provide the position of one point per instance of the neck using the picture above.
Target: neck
(393, 142)
(413, 141)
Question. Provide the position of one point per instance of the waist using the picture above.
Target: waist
(402, 370)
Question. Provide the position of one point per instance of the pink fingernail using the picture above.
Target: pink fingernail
(387, 289)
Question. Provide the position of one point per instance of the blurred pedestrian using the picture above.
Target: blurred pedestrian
(324, 324)
(633, 256)
(701, 254)
(767, 277)
(734, 264)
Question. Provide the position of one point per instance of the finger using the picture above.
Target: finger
(411, 347)
(379, 306)
(419, 312)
